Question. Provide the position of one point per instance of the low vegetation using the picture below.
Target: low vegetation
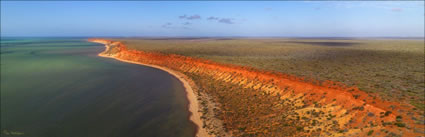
(254, 102)
(392, 68)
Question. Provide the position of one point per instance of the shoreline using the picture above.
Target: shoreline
(290, 97)
(193, 104)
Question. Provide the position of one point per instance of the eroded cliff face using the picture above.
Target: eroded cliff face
(265, 103)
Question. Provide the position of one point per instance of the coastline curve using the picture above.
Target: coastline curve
(193, 106)
(294, 99)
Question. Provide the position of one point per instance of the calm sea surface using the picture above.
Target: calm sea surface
(61, 88)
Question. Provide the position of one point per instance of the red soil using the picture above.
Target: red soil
(353, 109)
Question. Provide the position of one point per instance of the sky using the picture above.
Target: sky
(213, 18)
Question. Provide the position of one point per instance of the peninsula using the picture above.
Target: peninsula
(233, 100)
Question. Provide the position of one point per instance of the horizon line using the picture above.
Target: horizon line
(227, 36)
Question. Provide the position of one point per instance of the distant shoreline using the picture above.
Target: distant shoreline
(226, 37)
(193, 105)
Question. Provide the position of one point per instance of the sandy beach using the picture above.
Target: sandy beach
(195, 113)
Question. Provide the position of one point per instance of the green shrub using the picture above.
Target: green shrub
(370, 132)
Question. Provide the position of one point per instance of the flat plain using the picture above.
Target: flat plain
(392, 68)
(294, 87)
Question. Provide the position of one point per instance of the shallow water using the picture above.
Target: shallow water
(60, 87)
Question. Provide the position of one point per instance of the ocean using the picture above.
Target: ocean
(59, 87)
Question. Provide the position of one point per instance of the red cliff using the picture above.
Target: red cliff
(340, 107)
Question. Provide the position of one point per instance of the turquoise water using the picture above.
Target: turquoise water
(60, 87)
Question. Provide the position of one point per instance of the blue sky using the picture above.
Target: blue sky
(213, 18)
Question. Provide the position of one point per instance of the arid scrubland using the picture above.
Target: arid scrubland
(392, 68)
(296, 87)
